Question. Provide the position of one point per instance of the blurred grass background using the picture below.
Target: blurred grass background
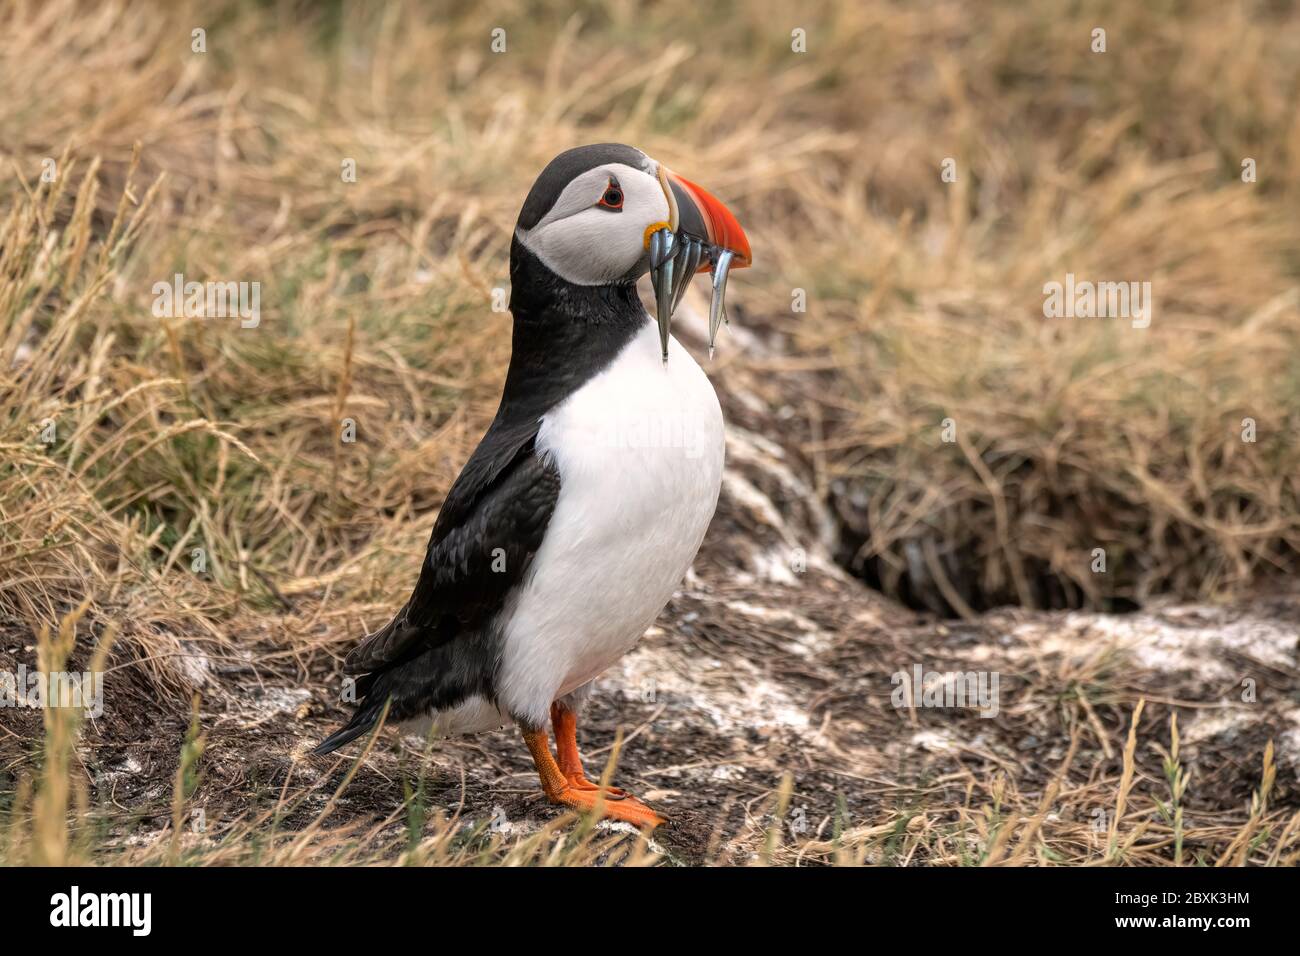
(924, 298)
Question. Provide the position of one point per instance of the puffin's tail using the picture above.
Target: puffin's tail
(362, 721)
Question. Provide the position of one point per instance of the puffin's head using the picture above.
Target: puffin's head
(606, 214)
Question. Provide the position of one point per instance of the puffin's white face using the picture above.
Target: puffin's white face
(597, 231)
(604, 214)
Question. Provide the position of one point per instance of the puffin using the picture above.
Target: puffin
(584, 504)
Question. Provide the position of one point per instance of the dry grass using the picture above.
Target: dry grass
(1071, 434)
(1065, 825)
(924, 304)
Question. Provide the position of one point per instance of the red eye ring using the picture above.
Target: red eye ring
(612, 198)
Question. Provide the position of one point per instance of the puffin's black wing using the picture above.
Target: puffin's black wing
(487, 532)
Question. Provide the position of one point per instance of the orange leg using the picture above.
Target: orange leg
(565, 723)
(558, 789)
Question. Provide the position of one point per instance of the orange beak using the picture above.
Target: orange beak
(701, 235)
(703, 216)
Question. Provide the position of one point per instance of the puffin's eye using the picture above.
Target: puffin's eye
(612, 199)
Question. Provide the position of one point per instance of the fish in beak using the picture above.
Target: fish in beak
(702, 235)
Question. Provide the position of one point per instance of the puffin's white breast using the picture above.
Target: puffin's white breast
(639, 449)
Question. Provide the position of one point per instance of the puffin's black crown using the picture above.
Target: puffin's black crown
(566, 167)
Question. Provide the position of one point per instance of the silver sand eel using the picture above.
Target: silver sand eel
(674, 260)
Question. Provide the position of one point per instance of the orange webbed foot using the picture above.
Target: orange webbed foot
(578, 781)
(565, 783)
(627, 808)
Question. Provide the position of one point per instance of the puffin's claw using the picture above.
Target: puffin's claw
(579, 781)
